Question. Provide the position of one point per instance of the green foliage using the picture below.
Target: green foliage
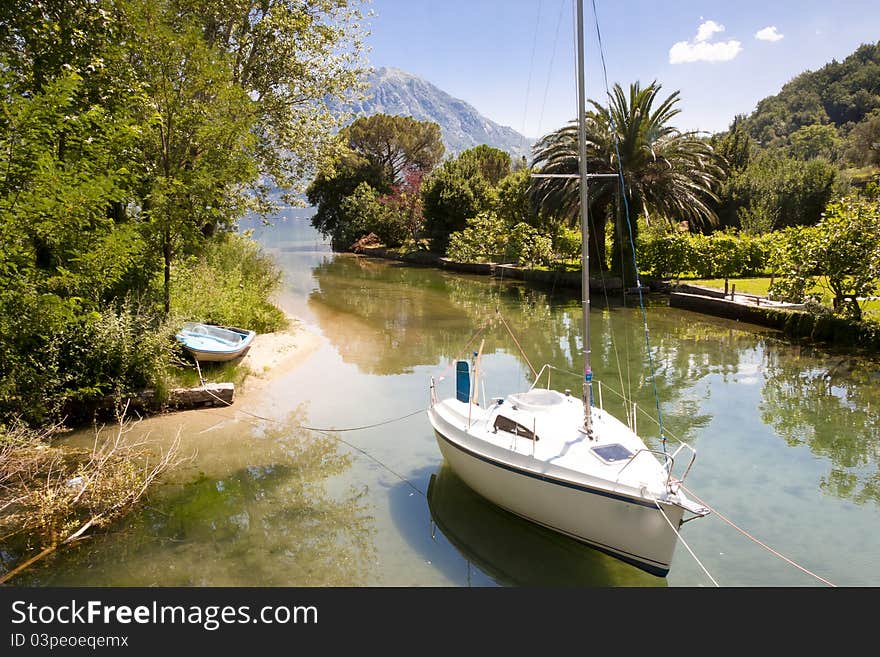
(390, 154)
(513, 202)
(734, 146)
(842, 252)
(337, 180)
(841, 94)
(864, 142)
(450, 198)
(816, 140)
(56, 355)
(719, 255)
(669, 175)
(527, 247)
(231, 284)
(395, 144)
(775, 191)
(133, 135)
(483, 240)
(665, 256)
(491, 163)
(567, 242)
(402, 217)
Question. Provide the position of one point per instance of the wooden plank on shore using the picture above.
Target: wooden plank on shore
(210, 394)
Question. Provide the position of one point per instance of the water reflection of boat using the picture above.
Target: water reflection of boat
(515, 552)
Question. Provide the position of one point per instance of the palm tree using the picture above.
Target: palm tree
(668, 175)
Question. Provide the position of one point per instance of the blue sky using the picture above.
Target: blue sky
(482, 51)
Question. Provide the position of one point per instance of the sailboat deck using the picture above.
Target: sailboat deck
(562, 448)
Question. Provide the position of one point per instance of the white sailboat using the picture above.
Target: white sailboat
(558, 460)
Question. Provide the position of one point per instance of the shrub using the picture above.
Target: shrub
(567, 243)
(528, 247)
(484, 240)
(232, 284)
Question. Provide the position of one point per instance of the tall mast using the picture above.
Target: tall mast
(585, 250)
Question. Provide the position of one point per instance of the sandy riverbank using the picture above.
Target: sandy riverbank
(273, 355)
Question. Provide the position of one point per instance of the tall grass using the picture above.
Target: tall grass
(231, 284)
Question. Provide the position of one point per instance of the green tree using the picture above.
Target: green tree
(337, 179)
(776, 191)
(841, 253)
(294, 58)
(484, 239)
(198, 142)
(514, 203)
(863, 143)
(396, 144)
(816, 140)
(403, 215)
(450, 197)
(491, 163)
(668, 175)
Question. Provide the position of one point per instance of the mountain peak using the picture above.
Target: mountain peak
(398, 92)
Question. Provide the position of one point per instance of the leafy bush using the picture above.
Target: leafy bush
(55, 354)
(665, 256)
(484, 240)
(720, 255)
(528, 247)
(842, 252)
(115, 352)
(567, 243)
(232, 284)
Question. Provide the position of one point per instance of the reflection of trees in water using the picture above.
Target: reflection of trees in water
(259, 525)
(389, 319)
(834, 412)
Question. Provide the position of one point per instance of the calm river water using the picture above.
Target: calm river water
(788, 442)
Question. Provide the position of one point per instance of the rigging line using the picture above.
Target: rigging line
(466, 345)
(683, 542)
(365, 426)
(521, 350)
(752, 538)
(607, 304)
(531, 67)
(321, 429)
(631, 240)
(330, 434)
(550, 68)
(628, 389)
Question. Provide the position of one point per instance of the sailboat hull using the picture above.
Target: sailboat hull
(628, 527)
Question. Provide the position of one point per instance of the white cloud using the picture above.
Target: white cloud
(707, 29)
(701, 50)
(769, 34)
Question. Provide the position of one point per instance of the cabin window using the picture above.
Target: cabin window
(508, 425)
(612, 453)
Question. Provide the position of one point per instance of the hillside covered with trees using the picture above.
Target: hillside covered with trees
(834, 111)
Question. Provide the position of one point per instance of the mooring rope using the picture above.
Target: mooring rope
(330, 433)
(683, 542)
(752, 538)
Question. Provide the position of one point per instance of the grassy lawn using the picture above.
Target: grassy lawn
(759, 286)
